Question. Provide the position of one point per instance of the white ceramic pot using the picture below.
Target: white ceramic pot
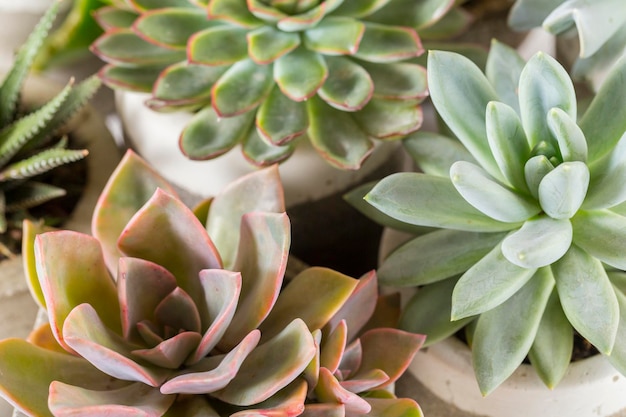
(590, 388)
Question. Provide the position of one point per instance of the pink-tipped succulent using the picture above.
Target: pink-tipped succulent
(159, 314)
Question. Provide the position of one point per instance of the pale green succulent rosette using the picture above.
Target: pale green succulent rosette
(267, 73)
(521, 221)
(601, 27)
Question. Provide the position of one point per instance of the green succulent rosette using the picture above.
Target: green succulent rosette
(520, 222)
(601, 27)
(267, 73)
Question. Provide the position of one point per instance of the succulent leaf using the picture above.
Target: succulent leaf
(434, 153)
(526, 14)
(170, 28)
(30, 194)
(374, 118)
(503, 69)
(600, 233)
(281, 120)
(383, 43)
(399, 80)
(606, 184)
(300, 73)
(335, 35)
(358, 308)
(348, 87)
(410, 13)
(562, 190)
(123, 46)
(571, 139)
(261, 153)
(40, 163)
(186, 83)
(108, 17)
(267, 44)
(236, 12)
(233, 46)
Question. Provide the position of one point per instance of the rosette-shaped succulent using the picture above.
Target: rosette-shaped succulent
(267, 73)
(33, 144)
(194, 321)
(524, 213)
(601, 27)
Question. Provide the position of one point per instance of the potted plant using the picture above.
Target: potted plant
(199, 323)
(520, 227)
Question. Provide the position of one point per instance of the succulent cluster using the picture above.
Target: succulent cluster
(30, 144)
(521, 222)
(195, 320)
(267, 73)
(601, 27)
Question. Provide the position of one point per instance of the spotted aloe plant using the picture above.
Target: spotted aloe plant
(268, 73)
(521, 222)
(601, 27)
(195, 321)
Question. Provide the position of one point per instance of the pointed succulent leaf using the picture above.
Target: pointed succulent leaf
(389, 350)
(587, 297)
(123, 46)
(136, 400)
(334, 346)
(428, 312)
(436, 256)
(145, 5)
(508, 143)
(288, 402)
(171, 28)
(358, 308)
(454, 23)
(265, 12)
(535, 169)
(618, 355)
(178, 311)
(386, 313)
(435, 154)
(608, 174)
(235, 12)
(486, 194)
(428, 200)
(365, 381)
(326, 290)
(361, 8)
(185, 83)
(335, 35)
(604, 122)
(26, 372)
(397, 80)
(386, 43)
(267, 44)
(562, 190)
(231, 96)
(505, 334)
(133, 277)
(602, 235)
(394, 407)
(461, 96)
(410, 13)
(503, 70)
(133, 79)
(336, 136)
(571, 139)
(14, 79)
(487, 284)
(208, 135)
(389, 118)
(218, 45)
(64, 258)
(348, 87)
(219, 376)
(551, 351)
(544, 84)
(40, 163)
(31, 194)
(30, 230)
(110, 17)
(271, 366)
(541, 241)
(300, 73)
(312, 371)
(528, 14)
(329, 390)
(185, 248)
(279, 119)
(87, 335)
(259, 152)
(117, 203)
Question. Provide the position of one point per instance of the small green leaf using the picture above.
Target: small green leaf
(267, 44)
(304, 20)
(235, 12)
(335, 36)
(145, 5)
(184, 83)
(411, 13)
(171, 27)
(588, 298)
(562, 190)
(42, 162)
(618, 355)
(608, 179)
(243, 87)
(489, 196)
(261, 10)
(124, 47)
(31, 194)
(386, 43)
(505, 334)
(389, 119)
(435, 154)
(427, 200)
(503, 70)
(535, 170)
(360, 9)
(300, 73)
(397, 80)
(261, 153)
(571, 139)
(602, 234)
(110, 17)
(280, 120)
(218, 45)
(348, 87)
(134, 79)
(528, 14)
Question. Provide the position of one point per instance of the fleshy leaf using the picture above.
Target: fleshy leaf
(326, 290)
(535, 169)
(413, 14)
(335, 36)
(571, 139)
(172, 352)
(127, 78)
(279, 119)
(348, 87)
(541, 241)
(29, 231)
(329, 390)
(394, 407)
(562, 190)
(171, 27)
(398, 80)
(64, 259)
(428, 200)
(109, 17)
(361, 8)
(587, 297)
(184, 83)
(504, 335)
(122, 46)
(608, 176)
(386, 43)
(235, 12)
(271, 366)
(487, 284)
(485, 193)
(334, 346)
(435, 154)
(389, 118)
(436, 256)
(259, 152)
(503, 69)
(117, 203)
(358, 308)
(300, 73)
(527, 14)
(602, 235)
(218, 45)
(266, 44)
(288, 402)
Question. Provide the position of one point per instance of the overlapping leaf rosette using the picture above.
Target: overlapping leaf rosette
(521, 222)
(601, 27)
(194, 321)
(268, 73)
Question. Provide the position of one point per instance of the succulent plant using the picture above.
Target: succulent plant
(601, 27)
(521, 222)
(195, 321)
(268, 73)
(29, 144)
